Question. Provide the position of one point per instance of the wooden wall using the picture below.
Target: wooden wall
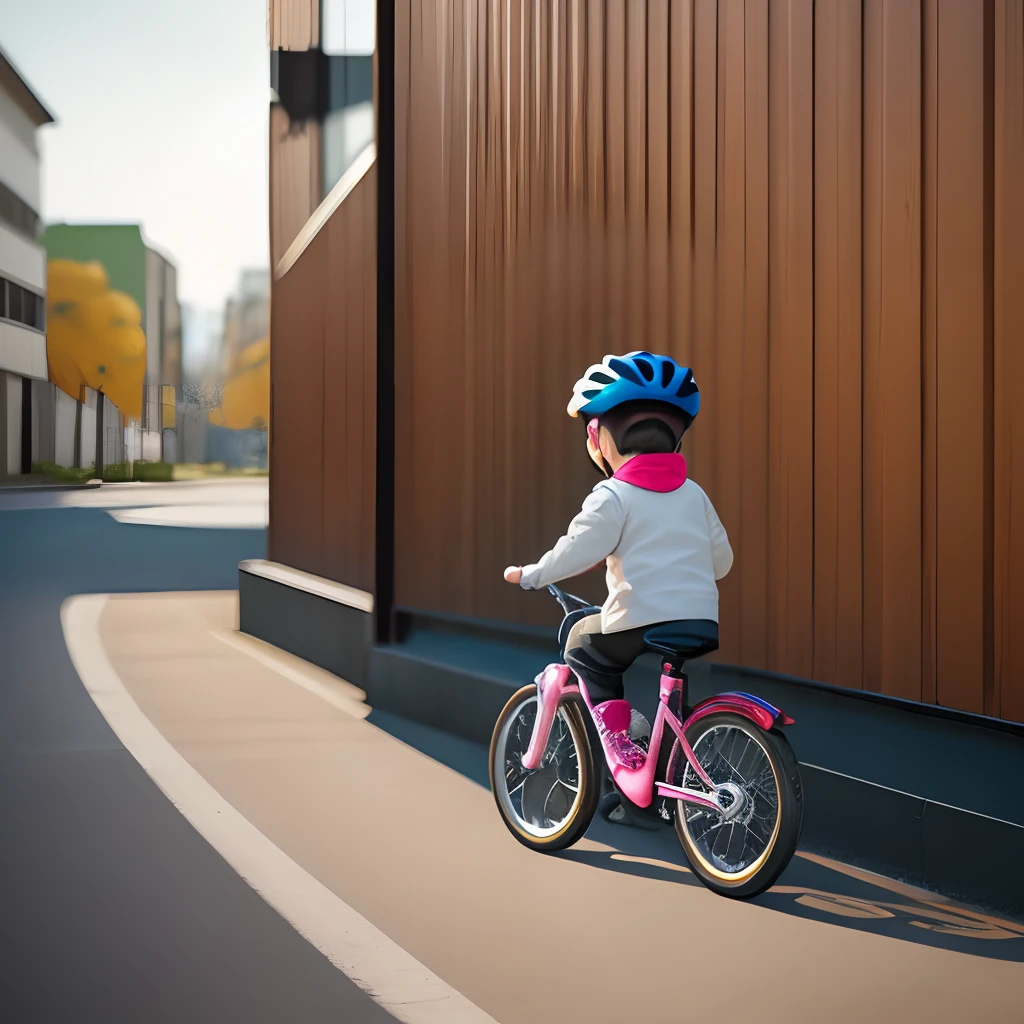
(323, 380)
(818, 206)
(293, 24)
(294, 178)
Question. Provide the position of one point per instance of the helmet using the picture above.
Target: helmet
(637, 376)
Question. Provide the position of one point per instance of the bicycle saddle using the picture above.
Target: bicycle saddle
(687, 638)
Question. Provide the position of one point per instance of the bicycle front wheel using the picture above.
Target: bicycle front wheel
(551, 807)
(742, 852)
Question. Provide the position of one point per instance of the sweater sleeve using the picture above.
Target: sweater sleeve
(592, 536)
(721, 549)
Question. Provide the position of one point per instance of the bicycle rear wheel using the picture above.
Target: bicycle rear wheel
(739, 854)
(551, 807)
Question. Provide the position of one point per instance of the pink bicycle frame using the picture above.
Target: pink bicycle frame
(632, 769)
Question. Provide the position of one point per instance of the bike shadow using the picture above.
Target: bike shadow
(819, 889)
(811, 887)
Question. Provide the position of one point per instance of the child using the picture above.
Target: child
(662, 543)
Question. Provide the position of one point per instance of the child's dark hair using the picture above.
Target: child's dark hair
(635, 433)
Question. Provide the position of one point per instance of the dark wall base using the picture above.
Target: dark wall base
(444, 697)
(915, 840)
(862, 761)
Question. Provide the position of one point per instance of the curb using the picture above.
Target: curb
(44, 488)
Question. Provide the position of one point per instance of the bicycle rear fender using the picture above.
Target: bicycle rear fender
(759, 711)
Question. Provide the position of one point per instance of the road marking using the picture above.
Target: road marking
(336, 692)
(378, 965)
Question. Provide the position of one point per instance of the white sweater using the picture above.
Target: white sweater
(663, 552)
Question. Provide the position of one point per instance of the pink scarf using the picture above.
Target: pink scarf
(654, 472)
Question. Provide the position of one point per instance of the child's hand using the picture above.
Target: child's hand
(513, 574)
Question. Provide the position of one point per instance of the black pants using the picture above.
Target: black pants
(602, 658)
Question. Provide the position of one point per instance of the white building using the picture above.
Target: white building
(22, 265)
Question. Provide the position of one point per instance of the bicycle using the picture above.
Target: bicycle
(730, 772)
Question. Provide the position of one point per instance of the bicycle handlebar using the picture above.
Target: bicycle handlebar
(567, 600)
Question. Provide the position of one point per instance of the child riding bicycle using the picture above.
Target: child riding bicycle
(657, 533)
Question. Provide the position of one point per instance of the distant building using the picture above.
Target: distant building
(22, 265)
(138, 270)
(246, 316)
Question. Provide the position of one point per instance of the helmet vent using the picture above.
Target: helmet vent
(667, 373)
(626, 370)
(602, 378)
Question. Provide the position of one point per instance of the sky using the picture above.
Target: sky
(162, 112)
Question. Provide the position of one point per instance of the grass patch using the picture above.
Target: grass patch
(63, 474)
(204, 471)
(139, 472)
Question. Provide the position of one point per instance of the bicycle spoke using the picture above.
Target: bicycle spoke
(731, 754)
(539, 800)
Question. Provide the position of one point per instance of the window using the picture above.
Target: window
(22, 306)
(348, 124)
(17, 214)
(349, 27)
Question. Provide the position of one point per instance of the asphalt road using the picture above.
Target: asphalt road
(112, 908)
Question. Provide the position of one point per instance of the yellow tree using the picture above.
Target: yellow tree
(94, 335)
(246, 398)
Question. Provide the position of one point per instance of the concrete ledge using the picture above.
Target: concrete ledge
(325, 631)
(317, 585)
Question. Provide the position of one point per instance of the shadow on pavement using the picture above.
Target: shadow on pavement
(811, 887)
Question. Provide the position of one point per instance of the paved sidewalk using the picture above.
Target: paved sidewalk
(213, 491)
(419, 850)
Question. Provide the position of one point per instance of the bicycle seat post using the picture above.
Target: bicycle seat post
(672, 667)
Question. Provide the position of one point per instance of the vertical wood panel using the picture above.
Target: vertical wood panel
(837, 343)
(349, 373)
(294, 178)
(681, 177)
(636, 177)
(404, 540)
(702, 448)
(929, 351)
(297, 312)
(726, 407)
(963, 579)
(892, 347)
(1009, 356)
(752, 627)
(659, 172)
(294, 24)
(615, 154)
(791, 384)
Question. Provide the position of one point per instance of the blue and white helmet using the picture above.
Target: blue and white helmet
(636, 376)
